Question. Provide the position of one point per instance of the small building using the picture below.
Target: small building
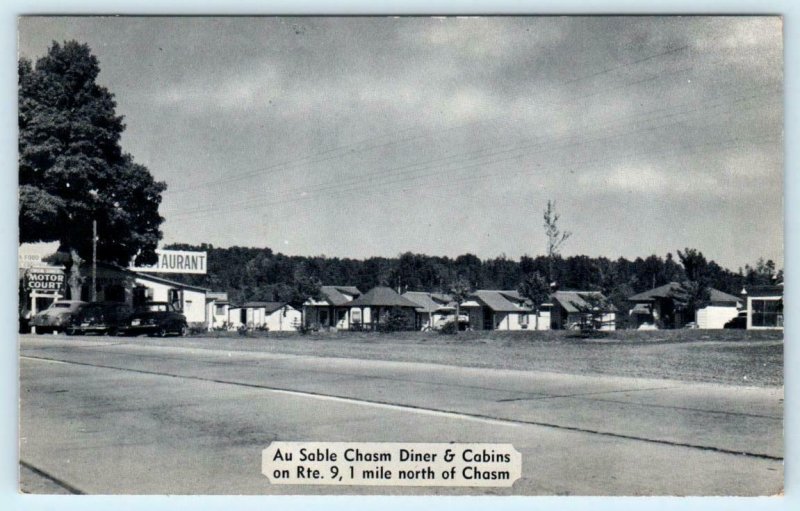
(574, 308)
(371, 310)
(272, 316)
(721, 309)
(330, 311)
(503, 310)
(116, 284)
(217, 310)
(190, 300)
(435, 309)
(657, 307)
(764, 306)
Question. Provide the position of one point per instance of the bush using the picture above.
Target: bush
(398, 320)
(306, 329)
(448, 328)
(224, 327)
(197, 327)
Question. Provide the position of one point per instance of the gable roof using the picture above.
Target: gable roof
(500, 301)
(717, 296)
(336, 295)
(575, 301)
(665, 291)
(381, 297)
(672, 289)
(429, 302)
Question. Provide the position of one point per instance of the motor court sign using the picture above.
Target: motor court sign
(44, 280)
(176, 261)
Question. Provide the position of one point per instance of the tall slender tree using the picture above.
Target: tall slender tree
(555, 237)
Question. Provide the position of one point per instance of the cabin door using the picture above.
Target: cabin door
(488, 319)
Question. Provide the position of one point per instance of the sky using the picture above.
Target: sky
(355, 137)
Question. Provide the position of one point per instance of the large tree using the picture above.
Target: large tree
(72, 170)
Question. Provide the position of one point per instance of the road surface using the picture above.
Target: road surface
(104, 415)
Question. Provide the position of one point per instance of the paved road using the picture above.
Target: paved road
(121, 415)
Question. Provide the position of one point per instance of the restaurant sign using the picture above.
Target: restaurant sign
(176, 261)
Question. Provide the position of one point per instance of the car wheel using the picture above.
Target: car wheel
(183, 330)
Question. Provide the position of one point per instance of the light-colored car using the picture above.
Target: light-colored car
(57, 317)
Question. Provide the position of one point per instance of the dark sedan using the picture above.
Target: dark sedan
(739, 322)
(101, 318)
(156, 319)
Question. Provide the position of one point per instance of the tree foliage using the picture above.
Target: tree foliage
(261, 274)
(535, 288)
(72, 169)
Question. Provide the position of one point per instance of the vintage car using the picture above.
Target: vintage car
(737, 323)
(156, 319)
(101, 318)
(57, 317)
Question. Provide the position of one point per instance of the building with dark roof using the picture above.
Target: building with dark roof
(272, 316)
(574, 308)
(329, 310)
(372, 310)
(658, 307)
(435, 309)
(504, 310)
(764, 307)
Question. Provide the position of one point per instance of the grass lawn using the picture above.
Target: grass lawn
(737, 357)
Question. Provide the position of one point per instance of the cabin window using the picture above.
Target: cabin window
(766, 313)
(220, 310)
(175, 297)
(523, 319)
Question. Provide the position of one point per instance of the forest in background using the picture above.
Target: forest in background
(259, 274)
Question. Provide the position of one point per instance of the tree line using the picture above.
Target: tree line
(259, 274)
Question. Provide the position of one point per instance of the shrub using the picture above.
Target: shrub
(397, 320)
(448, 328)
(197, 327)
(306, 329)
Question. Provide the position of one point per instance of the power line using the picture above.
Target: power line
(355, 186)
(360, 179)
(294, 162)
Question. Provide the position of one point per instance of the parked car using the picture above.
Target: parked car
(100, 317)
(156, 319)
(24, 320)
(739, 322)
(56, 318)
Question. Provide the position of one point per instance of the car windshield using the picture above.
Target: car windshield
(155, 307)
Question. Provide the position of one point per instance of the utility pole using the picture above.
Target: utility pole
(94, 261)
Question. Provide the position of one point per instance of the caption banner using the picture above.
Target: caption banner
(391, 464)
